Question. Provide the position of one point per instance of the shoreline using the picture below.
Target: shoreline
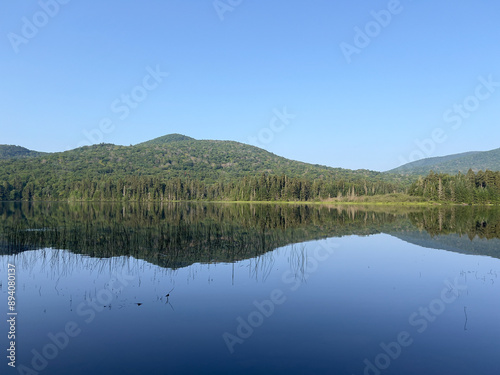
(317, 203)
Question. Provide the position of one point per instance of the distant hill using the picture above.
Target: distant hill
(11, 151)
(452, 164)
(173, 156)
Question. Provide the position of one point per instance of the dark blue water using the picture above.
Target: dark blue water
(352, 305)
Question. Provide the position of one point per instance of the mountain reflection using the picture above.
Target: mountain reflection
(176, 235)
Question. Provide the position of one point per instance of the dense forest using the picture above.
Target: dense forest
(259, 188)
(470, 188)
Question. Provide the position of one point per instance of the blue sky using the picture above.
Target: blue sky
(275, 74)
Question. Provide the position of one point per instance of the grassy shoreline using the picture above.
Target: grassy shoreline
(396, 199)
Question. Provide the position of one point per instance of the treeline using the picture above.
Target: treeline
(264, 187)
(471, 188)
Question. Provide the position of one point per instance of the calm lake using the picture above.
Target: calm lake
(250, 289)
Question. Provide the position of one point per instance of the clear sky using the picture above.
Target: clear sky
(353, 84)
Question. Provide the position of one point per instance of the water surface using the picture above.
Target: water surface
(251, 289)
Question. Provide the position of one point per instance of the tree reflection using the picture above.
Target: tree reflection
(174, 235)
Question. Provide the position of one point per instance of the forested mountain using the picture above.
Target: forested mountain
(173, 156)
(177, 167)
(11, 151)
(452, 164)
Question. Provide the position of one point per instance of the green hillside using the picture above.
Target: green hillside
(452, 164)
(11, 151)
(179, 167)
(170, 157)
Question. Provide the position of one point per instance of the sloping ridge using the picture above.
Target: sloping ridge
(453, 164)
(173, 156)
(14, 152)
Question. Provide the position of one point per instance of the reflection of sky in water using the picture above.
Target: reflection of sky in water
(343, 307)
